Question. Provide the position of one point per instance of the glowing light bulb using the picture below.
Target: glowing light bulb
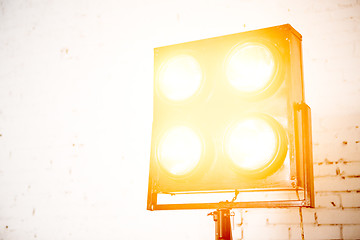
(250, 67)
(180, 78)
(251, 144)
(180, 150)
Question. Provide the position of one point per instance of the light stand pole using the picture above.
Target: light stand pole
(222, 224)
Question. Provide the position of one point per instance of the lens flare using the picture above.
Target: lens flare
(180, 78)
(251, 144)
(250, 67)
(180, 150)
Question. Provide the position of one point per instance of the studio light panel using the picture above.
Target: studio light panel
(227, 114)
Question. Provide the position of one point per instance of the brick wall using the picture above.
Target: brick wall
(336, 170)
(76, 112)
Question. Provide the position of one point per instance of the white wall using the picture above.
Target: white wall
(76, 113)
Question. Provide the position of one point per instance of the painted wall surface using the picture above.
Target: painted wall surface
(76, 85)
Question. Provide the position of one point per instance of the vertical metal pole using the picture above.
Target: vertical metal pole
(222, 224)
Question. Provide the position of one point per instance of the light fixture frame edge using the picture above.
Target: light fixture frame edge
(301, 109)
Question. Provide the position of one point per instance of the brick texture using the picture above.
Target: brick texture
(316, 232)
(351, 232)
(338, 216)
(328, 200)
(267, 232)
(337, 184)
(350, 200)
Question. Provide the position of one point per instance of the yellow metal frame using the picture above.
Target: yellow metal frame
(299, 120)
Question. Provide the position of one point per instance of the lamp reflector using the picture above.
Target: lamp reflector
(250, 67)
(251, 144)
(179, 150)
(180, 77)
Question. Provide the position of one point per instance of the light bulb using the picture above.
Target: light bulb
(180, 150)
(250, 67)
(180, 78)
(251, 144)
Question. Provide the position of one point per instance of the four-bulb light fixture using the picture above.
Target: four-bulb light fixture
(229, 116)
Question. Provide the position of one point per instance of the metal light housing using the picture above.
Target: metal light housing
(229, 116)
